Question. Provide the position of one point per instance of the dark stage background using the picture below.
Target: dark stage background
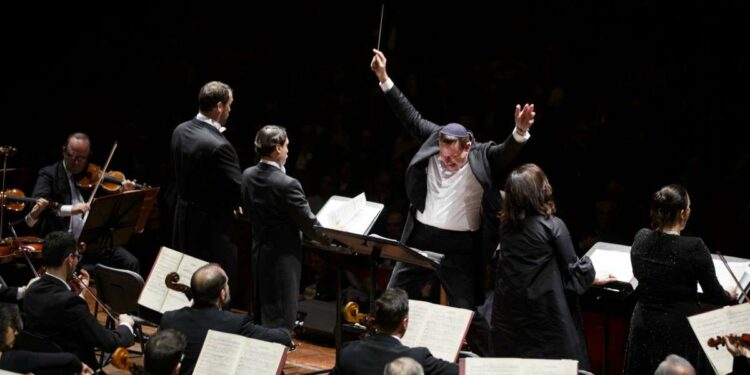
(630, 96)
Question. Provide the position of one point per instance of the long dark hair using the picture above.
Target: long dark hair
(9, 318)
(666, 204)
(527, 191)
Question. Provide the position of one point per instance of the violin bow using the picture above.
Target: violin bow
(744, 293)
(99, 181)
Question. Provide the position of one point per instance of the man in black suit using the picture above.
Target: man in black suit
(57, 183)
(58, 313)
(454, 200)
(207, 170)
(371, 355)
(278, 210)
(210, 289)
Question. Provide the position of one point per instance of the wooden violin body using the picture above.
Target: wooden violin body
(16, 200)
(111, 181)
(737, 340)
(12, 248)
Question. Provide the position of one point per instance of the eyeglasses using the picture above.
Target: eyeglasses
(75, 157)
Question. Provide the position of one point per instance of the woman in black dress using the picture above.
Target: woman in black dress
(24, 361)
(535, 313)
(668, 267)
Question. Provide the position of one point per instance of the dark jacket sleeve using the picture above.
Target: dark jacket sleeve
(229, 173)
(299, 210)
(419, 127)
(432, 365)
(44, 183)
(277, 335)
(95, 334)
(577, 274)
(704, 267)
(500, 156)
(741, 365)
(8, 294)
(25, 362)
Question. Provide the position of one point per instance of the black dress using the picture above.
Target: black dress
(668, 268)
(40, 363)
(535, 313)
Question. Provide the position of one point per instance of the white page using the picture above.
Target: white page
(177, 300)
(441, 329)
(519, 366)
(260, 357)
(155, 290)
(219, 354)
(338, 212)
(360, 222)
(612, 262)
(720, 322)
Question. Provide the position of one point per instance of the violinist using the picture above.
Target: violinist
(57, 183)
(55, 309)
(210, 291)
(23, 361)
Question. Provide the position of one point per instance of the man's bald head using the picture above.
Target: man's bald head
(207, 283)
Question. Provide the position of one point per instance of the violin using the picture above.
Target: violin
(111, 182)
(121, 360)
(15, 200)
(172, 281)
(24, 248)
(741, 340)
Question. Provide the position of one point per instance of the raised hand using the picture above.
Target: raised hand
(378, 65)
(524, 117)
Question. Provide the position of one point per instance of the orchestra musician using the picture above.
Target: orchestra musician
(23, 361)
(54, 307)
(58, 183)
(391, 320)
(211, 293)
(163, 353)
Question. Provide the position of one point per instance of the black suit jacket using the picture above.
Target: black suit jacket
(278, 209)
(208, 183)
(370, 356)
(56, 313)
(52, 184)
(195, 322)
(8, 294)
(487, 161)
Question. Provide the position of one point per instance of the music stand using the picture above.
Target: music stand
(375, 248)
(113, 219)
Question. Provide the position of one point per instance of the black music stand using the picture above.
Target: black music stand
(114, 218)
(375, 248)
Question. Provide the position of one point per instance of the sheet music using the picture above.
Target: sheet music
(438, 328)
(519, 366)
(730, 319)
(226, 353)
(155, 295)
(612, 262)
(353, 215)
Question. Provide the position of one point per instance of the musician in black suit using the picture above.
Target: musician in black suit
(370, 356)
(207, 170)
(454, 200)
(57, 183)
(210, 289)
(56, 312)
(278, 210)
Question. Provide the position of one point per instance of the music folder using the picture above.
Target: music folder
(113, 219)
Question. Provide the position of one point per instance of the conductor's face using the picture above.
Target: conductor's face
(453, 155)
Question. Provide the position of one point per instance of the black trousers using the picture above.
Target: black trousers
(456, 273)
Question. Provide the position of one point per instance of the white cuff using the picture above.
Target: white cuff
(21, 292)
(129, 327)
(521, 138)
(387, 85)
(30, 221)
(65, 210)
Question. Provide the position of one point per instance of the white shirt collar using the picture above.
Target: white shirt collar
(210, 121)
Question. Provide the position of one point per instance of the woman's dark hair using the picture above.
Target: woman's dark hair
(9, 317)
(527, 192)
(666, 204)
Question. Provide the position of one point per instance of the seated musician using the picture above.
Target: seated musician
(23, 361)
(210, 290)
(57, 312)
(370, 356)
(57, 183)
(163, 353)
